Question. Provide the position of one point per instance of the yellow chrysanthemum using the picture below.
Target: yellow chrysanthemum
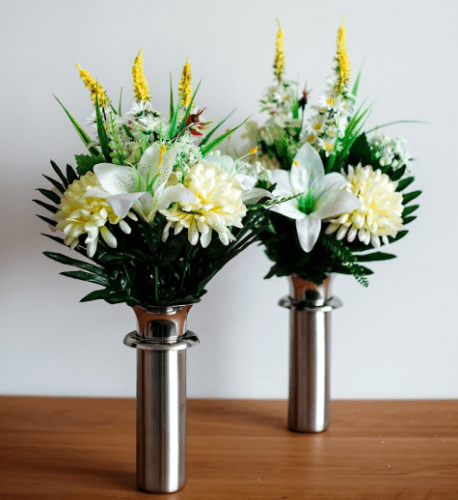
(218, 207)
(279, 61)
(94, 87)
(380, 213)
(141, 88)
(342, 58)
(185, 84)
(79, 215)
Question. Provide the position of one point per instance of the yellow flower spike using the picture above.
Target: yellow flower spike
(185, 84)
(141, 88)
(254, 150)
(342, 57)
(161, 154)
(94, 87)
(279, 61)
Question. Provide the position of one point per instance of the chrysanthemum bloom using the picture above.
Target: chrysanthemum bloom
(218, 206)
(380, 212)
(79, 215)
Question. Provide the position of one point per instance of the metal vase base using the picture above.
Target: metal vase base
(309, 370)
(161, 341)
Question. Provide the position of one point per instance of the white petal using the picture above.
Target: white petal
(246, 181)
(116, 179)
(110, 240)
(281, 179)
(255, 194)
(334, 180)
(289, 209)
(309, 171)
(175, 193)
(206, 238)
(334, 202)
(168, 162)
(308, 230)
(122, 203)
(149, 161)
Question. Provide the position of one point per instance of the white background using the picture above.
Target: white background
(397, 339)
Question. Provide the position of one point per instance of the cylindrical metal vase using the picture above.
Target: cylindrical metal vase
(161, 340)
(309, 398)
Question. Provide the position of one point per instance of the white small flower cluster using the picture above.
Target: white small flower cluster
(142, 118)
(260, 169)
(392, 152)
(278, 103)
(330, 120)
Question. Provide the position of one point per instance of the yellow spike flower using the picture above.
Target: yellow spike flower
(185, 84)
(279, 61)
(141, 88)
(342, 57)
(254, 150)
(94, 87)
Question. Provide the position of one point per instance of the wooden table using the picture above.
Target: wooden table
(79, 448)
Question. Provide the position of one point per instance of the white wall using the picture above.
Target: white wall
(397, 339)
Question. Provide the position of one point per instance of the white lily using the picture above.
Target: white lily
(143, 189)
(250, 194)
(322, 196)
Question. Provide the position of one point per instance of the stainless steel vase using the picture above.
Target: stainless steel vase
(161, 340)
(309, 399)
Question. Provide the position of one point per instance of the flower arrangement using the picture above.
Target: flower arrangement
(349, 185)
(157, 213)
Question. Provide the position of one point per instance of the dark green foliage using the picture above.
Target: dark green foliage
(144, 270)
(85, 163)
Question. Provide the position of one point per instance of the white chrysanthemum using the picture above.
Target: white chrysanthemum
(380, 213)
(218, 207)
(79, 215)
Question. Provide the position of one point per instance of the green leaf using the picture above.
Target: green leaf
(408, 210)
(95, 295)
(408, 220)
(51, 208)
(172, 107)
(408, 197)
(355, 88)
(372, 257)
(399, 236)
(397, 174)
(85, 163)
(214, 129)
(60, 174)
(120, 103)
(63, 259)
(72, 176)
(81, 132)
(394, 123)
(84, 276)
(56, 184)
(404, 183)
(360, 151)
(51, 195)
(174, 119)
(47, 219)
(101, 132)
(54, 238)
(221, 138)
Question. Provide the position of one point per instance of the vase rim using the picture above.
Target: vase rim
(168, 308)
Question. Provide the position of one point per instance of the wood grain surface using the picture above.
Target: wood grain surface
(80, 448)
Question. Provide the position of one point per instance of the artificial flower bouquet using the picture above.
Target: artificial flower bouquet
(349, 184)
(157, 213)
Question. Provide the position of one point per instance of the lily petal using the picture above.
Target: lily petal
(122, 203)
(281, 179)
(334, 180)
(308, 230)
(175, 193)
(308, 172)
(149, 161)
(254, 195)
(116, 179)
(289, 209)
(334, 202)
